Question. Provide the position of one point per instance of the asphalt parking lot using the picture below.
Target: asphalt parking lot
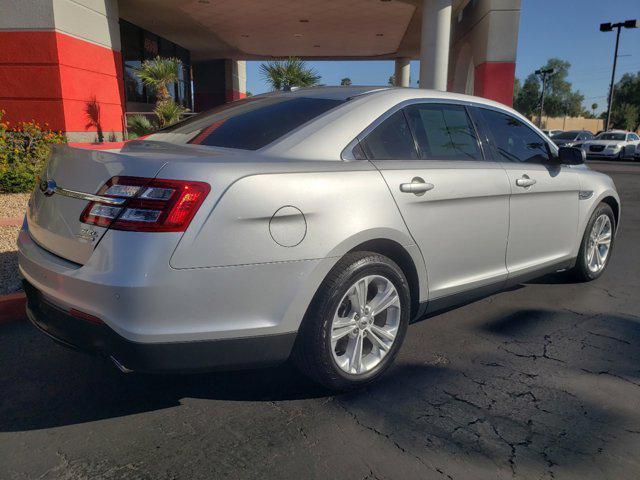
(539, 382)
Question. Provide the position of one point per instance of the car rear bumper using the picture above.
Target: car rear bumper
(203, 355)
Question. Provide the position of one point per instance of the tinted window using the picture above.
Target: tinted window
(443, 132)
(633, 137)
(611, 136)
(514, 140)
(566, 136)
(391, 140)
(248, 124)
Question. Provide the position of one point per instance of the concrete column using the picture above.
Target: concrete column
(483, 49)
(60, 64)
(434, 44)
(403, 72)
(236, 80)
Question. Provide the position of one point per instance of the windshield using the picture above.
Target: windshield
(566, 136)
(247, 124)
(611, 136)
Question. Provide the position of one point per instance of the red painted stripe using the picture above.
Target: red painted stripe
(12, 307)
(71, 84)
(11, 222)
(494, 80)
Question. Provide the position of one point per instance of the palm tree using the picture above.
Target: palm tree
(345, 82)
(291, 72)
(158, 74)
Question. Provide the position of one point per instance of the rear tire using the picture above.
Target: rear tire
(597, 244)
(348, 337)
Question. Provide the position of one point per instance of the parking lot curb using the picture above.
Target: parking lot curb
(12, 307)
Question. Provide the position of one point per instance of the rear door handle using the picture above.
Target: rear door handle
(525, 181)
(417, 186)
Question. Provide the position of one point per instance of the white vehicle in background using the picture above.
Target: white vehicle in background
(612, 145)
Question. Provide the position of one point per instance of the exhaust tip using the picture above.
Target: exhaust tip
(120, 366)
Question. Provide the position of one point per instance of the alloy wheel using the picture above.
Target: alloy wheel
(599, 243)
(365, 324)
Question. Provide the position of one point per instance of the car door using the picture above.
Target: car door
(543, 206)
(454, 203)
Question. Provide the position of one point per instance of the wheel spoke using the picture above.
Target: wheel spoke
(381, 302)
(358, 296)
(377, 341)
(382, 332)
(599, 261)
(341, 331)
(355, 356)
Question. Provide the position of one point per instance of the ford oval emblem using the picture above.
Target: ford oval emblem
(48, 187)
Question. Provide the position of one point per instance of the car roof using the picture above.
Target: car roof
(402, 93)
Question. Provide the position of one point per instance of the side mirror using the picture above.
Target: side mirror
(571, 156)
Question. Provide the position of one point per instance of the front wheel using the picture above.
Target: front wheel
(356, 323)
(597, 244)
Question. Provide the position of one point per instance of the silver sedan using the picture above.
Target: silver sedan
(314, 224)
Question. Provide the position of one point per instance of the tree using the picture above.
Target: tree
(625, 117)
(560, 98)
(158, 74)
(291, 72)
(528, 97)
(392, 80)
(626, 92)
(345, 82)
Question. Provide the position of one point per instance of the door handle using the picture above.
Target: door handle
(525, 181)
(417, 186)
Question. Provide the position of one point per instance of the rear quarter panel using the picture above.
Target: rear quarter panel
(321, 214)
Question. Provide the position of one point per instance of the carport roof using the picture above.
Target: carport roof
(259, 29)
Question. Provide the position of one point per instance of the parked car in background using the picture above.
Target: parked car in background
(317, 223)
(551, 133)
(636, 156)
(572, 138)
(612, 145)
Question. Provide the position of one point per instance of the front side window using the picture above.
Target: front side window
(246, 124)
(514, 140)
(443, 132)
(633, 137)
(391, 140)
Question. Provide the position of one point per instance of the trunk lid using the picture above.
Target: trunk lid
(54, 219)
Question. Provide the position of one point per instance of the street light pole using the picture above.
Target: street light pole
(543, 73)
(608, 27)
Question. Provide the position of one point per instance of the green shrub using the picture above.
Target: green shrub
(139, 125)
(24, 150)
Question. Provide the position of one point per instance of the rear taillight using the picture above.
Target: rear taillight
(152, 205)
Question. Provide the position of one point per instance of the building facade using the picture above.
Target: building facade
(71, 63)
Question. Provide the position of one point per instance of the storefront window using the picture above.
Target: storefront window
(139, 45)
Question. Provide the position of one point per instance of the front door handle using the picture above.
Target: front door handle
(525, 181)
(417, 186)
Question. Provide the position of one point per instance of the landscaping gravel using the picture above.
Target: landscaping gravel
(11, 206)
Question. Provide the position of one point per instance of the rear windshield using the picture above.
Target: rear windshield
(248, 124)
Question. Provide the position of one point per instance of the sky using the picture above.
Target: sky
(567, 29)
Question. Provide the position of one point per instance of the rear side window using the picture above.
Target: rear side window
(443, 132)
(513, 139)
(247, 125)
(391, 140)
